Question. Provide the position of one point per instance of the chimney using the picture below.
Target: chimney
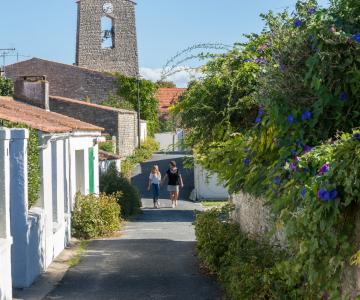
(33, 90)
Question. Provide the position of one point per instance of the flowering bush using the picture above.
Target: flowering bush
(304, 90)
(95, 216)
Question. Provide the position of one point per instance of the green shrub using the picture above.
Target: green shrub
(246, 267)
(129, 197)
(6, 86)
(107, 146)
(95, 216)
(147, 149)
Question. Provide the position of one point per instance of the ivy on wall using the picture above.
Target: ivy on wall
(6, 86)
(34, 177)
(127, 98)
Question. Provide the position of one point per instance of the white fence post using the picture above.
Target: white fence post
(5, 236)
(19, 205)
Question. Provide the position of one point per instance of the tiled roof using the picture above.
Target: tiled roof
(103, 107)
(40, 119)
(103, 155)
(168, 96)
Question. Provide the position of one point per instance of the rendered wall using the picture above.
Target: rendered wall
(207, 185)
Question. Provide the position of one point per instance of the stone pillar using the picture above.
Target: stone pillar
(5, 236)
(19, 205)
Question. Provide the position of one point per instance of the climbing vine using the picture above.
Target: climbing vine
(34, 177)
(284, 110)
(127, 98)
(6, 86)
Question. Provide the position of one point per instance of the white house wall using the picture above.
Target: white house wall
(5, 236)
(207, 186)
(83, 143)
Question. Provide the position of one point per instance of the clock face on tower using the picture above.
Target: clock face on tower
(108, 8)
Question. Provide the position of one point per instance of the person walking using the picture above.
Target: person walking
(174, 182)
(154, 183)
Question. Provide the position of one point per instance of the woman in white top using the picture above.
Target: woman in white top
(154, 182)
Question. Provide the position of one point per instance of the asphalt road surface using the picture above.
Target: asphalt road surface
(154, 258)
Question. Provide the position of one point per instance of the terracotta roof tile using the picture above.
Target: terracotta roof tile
(167, 97)
(40, 119)
(103, 155)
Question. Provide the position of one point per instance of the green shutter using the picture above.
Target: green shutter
(91, 171)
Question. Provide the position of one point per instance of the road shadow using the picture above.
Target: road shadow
(140, 269)
(141, 176)
(165, 215)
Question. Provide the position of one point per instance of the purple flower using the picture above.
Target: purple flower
(247, 60)
(277, 180)
(246, 161)
(333, 194)
(356, 37)
(293, 166)
(306, 115)
(356, 136)
(324, 168)
(312, 10)
(260, 60)
(298, 23)
(311, 37)
(290, 118)
(258, 120)
(307, 149)
(303, 193)
(297, 158)
(293, 152)
(323, 195)
(343, 96)
(261, 112)
(282, 68)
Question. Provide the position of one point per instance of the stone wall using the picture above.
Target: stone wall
(254, 218)
(67, 80)
(252, 214)
(123, 56)
(127, 137)
(120, 123)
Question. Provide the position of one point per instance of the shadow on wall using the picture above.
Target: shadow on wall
(141, 179)
(163, 276)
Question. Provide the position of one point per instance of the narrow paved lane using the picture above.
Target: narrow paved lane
(153, 259)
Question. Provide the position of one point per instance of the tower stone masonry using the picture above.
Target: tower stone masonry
(120, 54)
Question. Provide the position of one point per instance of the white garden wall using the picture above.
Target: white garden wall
(208, 186)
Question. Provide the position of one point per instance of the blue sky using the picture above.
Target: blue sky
(46, 29)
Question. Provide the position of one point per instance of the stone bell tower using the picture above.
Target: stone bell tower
(106, 36)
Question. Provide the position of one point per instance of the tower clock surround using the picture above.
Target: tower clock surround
(122, 56)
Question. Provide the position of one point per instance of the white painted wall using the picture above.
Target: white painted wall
(207, 186)
(170, 141)
(143, 131)
(5, 236)
(105, 165)
(41, 233)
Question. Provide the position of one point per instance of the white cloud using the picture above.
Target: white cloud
(181, 76)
